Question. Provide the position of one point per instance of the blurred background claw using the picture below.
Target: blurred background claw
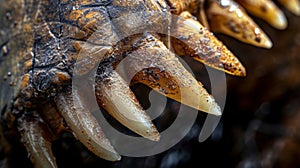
(232, 20)
(266, 10)
(291, 5)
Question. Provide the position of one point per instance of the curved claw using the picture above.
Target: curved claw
(85, 126)
(232, 20)
(291, 5)
(37, 139)
(115, 96)
(161, 70)
(195, 40)
(266, 10)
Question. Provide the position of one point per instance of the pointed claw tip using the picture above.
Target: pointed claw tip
(152, 134)
(296, 10)
(118, 157)
(293, 6)
(281, 21)
(243, 72)
(215, 110)
(155, 138)
(268, 44)
(115, 157)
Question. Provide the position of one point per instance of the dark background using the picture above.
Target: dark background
(260, 126)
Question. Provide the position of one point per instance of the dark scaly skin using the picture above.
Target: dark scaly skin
(42, 39)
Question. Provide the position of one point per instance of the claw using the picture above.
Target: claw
(37, 139)
(196, 41)
(85, 126)
(232, 20)
(291, 5)
(115, 96)
(161, 70)
(179, 6)
(267, 10)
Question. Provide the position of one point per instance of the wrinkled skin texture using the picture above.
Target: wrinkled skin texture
(47, 57)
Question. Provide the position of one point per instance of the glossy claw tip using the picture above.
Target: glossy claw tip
(168, 76)
(291, 5)
(268, 44)
(114, 95)
(280, 21)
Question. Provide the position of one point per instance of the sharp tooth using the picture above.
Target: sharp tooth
(85, 126)
(114, 95)
(37, 139)
(291, 5)
(266, 10)
(155, 66)
(195, 40)
(232, 20)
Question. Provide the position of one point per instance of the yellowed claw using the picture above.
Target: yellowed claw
(195, 40)
(291, 5)
(167, 75)
(114, 95)
(84, 125)
(267, 10)
(232, 20)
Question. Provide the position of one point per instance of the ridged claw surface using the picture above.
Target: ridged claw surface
(232, 20)
(85, 126)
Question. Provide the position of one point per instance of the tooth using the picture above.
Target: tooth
(37, 139)
(114, 95)
(291, 5)
(85, 126)
(266, 10)
(155, 66)
(195, 40)
(232, 20)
